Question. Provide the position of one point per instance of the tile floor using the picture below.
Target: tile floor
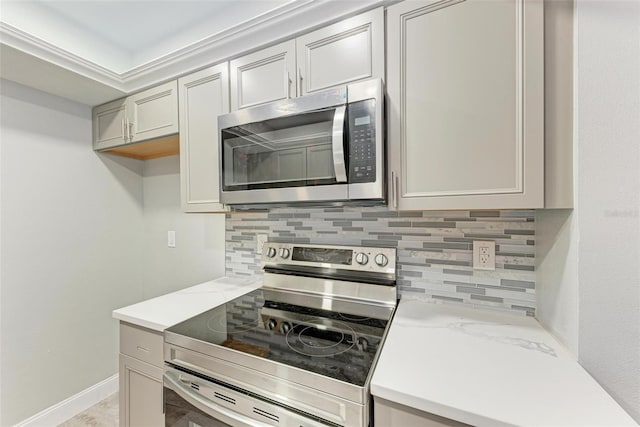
(102, 414)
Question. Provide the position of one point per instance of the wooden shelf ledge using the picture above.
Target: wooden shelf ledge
(161, 147)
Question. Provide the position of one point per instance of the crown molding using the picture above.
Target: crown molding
(284, 22)
(39, 48)
(221, 37)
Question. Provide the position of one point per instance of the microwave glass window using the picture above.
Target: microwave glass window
(283, 152)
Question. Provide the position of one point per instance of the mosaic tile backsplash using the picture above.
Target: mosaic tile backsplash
(434, 249)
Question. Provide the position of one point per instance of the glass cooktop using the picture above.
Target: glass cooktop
(329, 343)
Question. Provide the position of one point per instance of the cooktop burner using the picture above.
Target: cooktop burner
(316, 340)
(262, 323)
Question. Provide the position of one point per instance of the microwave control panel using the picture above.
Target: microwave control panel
(362, 137)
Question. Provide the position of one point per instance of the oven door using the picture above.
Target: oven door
(191, 401)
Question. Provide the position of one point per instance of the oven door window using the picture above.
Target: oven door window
(191, 401)
(294, 151)
(180, 413)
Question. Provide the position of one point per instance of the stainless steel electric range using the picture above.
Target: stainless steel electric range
(299, 351)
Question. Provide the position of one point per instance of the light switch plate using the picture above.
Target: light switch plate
(171, 239)
(484, 255)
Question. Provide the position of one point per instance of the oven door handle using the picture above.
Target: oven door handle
(337, 144)
(174, 381)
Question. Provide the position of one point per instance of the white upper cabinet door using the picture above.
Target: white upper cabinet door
(109, 122)
(263, 76)
(153, 113)
(345, 52)
(465, 88)
(204, 96)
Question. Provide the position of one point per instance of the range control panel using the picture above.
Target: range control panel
(358, 258)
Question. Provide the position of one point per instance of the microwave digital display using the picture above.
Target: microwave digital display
(364, 120)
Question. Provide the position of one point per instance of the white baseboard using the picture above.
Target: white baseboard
(68, 408)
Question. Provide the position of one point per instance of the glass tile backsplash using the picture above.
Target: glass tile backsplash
(434, 248)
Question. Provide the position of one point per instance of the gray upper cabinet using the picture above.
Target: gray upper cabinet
(153, 113)
(146, 115)
(264, 76)
(345, 52)
(466, 104)
(204, 95)
(109, 121)
(341, 53)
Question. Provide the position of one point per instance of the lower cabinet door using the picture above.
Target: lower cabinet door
(140, 394)
(388, 413)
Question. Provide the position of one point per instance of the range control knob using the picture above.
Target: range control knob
(381, 260)
(362, 344)
(271, 324)
(362, 258)
(285, 327)
(271, 252)
(284, 253)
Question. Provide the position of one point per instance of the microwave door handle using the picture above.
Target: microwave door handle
(337, 143)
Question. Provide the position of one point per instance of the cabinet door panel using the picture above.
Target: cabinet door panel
(459, 95)
(473, 72)
(153, 113)
(108, 124)
(141, 343)
(348, 51)
(141, 386)
(393, 414)
(203, 97)
(263, 76)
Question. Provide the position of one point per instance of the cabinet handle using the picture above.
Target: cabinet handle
(397, 191)
(287, 82)
(393, 189)
(124, 137)
(126, 129)
(130, 128)
(300, 80)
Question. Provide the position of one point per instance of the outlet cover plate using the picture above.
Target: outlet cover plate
(484, 255)
(261, 239)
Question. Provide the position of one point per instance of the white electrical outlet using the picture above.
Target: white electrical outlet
(171, 239)
(484, 255)
(261, 239)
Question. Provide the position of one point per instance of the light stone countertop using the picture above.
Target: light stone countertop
(167, 310)
(487, 369)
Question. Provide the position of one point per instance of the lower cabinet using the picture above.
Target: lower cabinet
(141, 398)
(388, 413)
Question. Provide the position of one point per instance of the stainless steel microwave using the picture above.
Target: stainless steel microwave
(322, 148)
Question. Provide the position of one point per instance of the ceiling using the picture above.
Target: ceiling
(120, 34)
(124, 46)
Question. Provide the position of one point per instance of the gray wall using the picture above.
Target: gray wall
(71, 228)
(199, 252)
(608, 155)
(589, 272)
(81, 235)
